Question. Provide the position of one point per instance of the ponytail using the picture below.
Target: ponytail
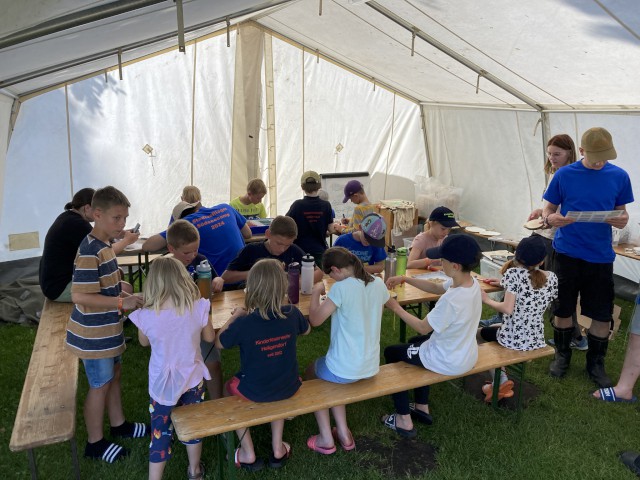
(80, 199)
(537, 276)
(340, 257)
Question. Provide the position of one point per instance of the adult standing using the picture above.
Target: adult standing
(584, 255)
(221, 229)
(61, 245)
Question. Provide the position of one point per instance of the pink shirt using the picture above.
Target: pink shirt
(176, 364)
(424, 241)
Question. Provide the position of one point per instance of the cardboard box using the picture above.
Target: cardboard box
(585, 322)
(388, 216)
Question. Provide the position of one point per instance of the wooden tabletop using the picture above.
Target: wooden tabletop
(626, 250)
(224, 302)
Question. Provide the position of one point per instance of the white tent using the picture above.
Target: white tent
(463, 91)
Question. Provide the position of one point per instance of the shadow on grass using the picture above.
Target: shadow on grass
(403, 458)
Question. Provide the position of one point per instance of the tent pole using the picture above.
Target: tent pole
(66, 104)
(425, 136)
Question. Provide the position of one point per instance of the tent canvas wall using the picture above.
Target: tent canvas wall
(467, 92)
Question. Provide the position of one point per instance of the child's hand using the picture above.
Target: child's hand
(319, 288)
(492, 281)
(132, 302)
(484, 295)
(128, 237)
(238, 312)
(217, 284)
(393, 281)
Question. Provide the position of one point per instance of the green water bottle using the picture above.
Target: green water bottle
(401, 261)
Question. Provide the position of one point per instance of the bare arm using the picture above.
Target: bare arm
(208, 333)
(142, 338)
(236, 312)
(97, 300)
(506, 306)
(553, 217)
(234, 276)
(421, 283)
(246, 231)
(375, 268)
(420, 326)
(128, 239)
(317, 274)
(319, 312)
(622, 220)
(154, 243)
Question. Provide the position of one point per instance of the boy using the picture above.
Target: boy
(250, 205)
(94, 331)
(183, 241)
(447, 344)
(367, 242)
(354, 191)
(313, 216)
(278, 244)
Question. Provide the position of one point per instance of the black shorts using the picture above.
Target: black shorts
(592, 281)
(489, 334)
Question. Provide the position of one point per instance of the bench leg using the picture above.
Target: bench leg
(74, 457)
(225, 449)
(32, 464)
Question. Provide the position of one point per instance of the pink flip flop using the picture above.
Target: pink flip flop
(312, 443)
(346, 448)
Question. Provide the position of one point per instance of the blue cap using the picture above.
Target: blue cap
(460, 249)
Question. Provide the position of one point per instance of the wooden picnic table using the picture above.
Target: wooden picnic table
(626, 250)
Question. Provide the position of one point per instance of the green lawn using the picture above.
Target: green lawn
(562, 434)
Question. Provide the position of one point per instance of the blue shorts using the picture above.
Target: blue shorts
(100, 371)
(323, 372)
(162, 427)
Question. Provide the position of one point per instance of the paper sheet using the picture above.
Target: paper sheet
(594, 217)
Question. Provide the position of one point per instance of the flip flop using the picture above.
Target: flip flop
(389, 421)
(312, 443)
(419, 415)
(505, 391)
(251, 467)
(280, 462)
(608, 394)
(346, 448)
(632, 461)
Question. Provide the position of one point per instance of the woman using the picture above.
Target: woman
(61, 245)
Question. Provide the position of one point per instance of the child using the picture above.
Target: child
(183, 241)
(441, 221)
(367, 242)
(354, 191)
(355, 304)
(278, 244)
(528, 292)
(250, 205)
(190, 202)
(173, 320)
(94, 331)
(451, 347)
(313, 216)
(265, 330)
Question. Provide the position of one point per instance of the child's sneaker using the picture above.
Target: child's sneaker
(105, 450)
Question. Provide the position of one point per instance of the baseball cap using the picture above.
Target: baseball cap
(531, 251)
(310, 177)
(598, 145)
(374, 228)
(460, 249)
(444, 217)
(180, 208)
(352, 186)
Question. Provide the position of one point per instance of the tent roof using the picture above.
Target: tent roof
(544, 54)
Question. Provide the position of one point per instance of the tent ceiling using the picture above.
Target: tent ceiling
(553, 54)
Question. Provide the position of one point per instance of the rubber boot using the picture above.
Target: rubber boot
(595, 360)
(562, 339)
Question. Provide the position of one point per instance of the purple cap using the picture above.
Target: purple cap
(352, 186)
(374, 229)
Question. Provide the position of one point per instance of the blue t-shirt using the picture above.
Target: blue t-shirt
(369, 255)
(268, 362)
(577, 188)
(256, 251)
(220, 236)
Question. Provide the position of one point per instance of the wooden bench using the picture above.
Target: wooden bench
(225, 415)
(47, 410)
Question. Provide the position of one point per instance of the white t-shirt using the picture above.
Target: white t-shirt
(354, 350)
(452, 348)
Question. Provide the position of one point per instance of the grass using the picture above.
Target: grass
(562, 434)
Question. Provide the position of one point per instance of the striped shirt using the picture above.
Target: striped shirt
(359, 212)
(94, 332)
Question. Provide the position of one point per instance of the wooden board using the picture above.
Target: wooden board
(47, 410)
(226, 414)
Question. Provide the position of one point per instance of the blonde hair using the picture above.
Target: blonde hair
(256, 187)
(191, 194)
(266, 287)
(182, 233)
(537, 277)
(169, 280)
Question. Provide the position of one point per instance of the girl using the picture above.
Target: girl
(528, 292)
(440, 223)
(265, 331)
(172, 320)
(355, 304)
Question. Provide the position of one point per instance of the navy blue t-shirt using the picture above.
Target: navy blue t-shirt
(253, 252)
(268, 361)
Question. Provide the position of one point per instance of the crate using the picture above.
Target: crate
(492, 270)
